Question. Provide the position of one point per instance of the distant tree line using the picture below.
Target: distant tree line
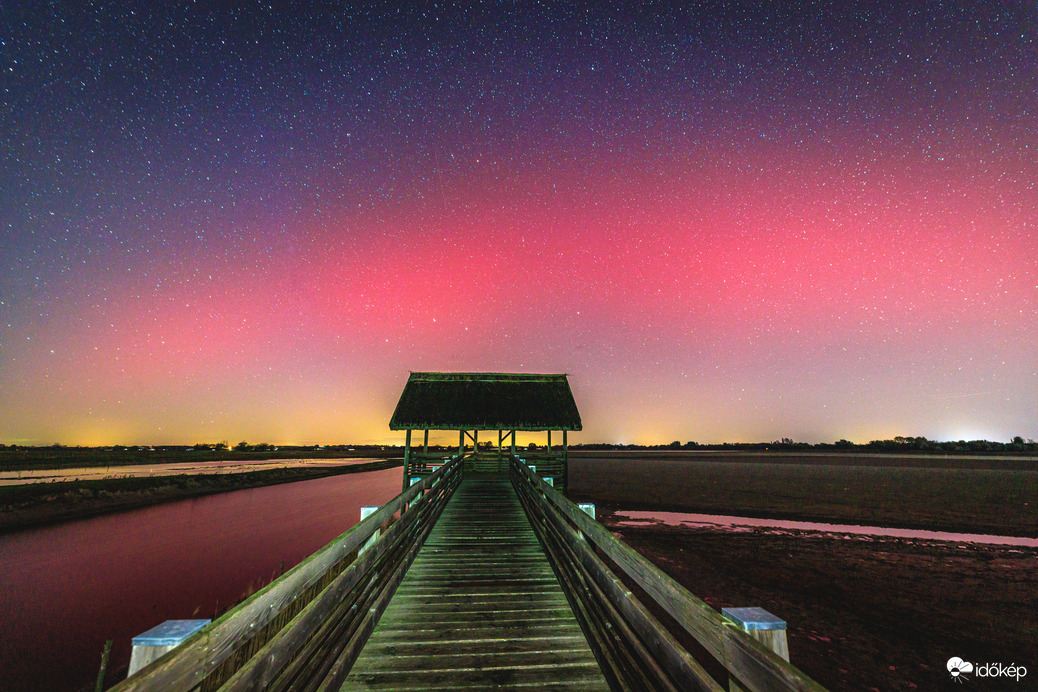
(14, 457)
(1017, 445)
(128, 453)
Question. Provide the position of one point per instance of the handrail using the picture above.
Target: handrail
(312, 621)
(635, 649)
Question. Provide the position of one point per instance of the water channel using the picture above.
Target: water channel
(67, 588)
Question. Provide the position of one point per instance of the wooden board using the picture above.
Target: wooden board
(479, 608)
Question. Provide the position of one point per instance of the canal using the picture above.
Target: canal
(65, 589)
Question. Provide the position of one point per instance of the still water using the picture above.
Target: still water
(743, 524)
(67, 588)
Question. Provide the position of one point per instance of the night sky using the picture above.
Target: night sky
(725, 221)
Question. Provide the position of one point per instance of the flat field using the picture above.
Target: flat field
(963, 494)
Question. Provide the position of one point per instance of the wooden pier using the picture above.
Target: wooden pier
(480, 606)
(476, 580)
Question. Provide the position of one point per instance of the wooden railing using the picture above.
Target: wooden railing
(305, 629)
(636, 649)
(420, 465)
(553, 466)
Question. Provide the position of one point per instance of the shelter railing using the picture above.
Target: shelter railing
(304, 630)
(637, 639)
(421, 465)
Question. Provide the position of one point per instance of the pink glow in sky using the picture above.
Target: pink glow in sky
(759, 242)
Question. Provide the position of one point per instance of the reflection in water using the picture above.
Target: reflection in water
(729, 523)
(65, 589)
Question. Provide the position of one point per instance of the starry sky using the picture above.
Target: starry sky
(726, 221)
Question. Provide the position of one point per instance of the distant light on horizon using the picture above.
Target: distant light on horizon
(725, 222)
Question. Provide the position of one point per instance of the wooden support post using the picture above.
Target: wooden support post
(366, 512)
(513, 443)
(425, 445)
(766, 628)
(500, 445)
(549, 442)
(565, 461)
(152, 644)
(461, 442)
(407, 459)
(100, 685)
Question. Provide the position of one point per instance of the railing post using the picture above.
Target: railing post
(766, 628)
(150, 645)
(565, 461)
(366, 512)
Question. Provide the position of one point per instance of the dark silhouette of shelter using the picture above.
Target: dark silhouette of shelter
(469, 402)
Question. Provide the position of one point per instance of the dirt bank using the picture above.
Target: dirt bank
(25, 506)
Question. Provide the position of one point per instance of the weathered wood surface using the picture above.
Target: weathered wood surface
(755, 667)
(633, 648)
(479, 608)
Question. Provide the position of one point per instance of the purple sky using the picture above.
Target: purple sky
(725, 221)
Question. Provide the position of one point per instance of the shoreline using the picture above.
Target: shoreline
(45, 504)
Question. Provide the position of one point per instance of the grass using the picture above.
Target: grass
(984, 500)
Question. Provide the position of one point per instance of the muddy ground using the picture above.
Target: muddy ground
(865, 613)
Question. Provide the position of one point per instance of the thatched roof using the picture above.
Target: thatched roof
(485, 401)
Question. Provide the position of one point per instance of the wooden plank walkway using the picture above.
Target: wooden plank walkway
(480, 608)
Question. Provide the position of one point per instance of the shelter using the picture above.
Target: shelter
(469, 402)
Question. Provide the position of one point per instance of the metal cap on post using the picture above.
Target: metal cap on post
(366, 512)
(768, 629)
(149, 646)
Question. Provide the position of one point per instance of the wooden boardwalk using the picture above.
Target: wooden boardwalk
(480, 608)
